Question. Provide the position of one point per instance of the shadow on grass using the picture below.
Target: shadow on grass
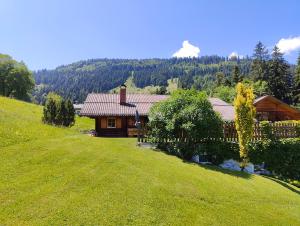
(284, 184)
(221, 170)
(210, 167)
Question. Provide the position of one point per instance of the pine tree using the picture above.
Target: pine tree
(236, 77)
(259, 66)
(220, 78)
(244, 119)
(279, 81)
(296, 89)
(61, 113)
(70, 113)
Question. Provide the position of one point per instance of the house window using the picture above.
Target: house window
(111, 123)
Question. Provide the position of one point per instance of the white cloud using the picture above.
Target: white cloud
(187, 50)
(288, 45)
(235, 55)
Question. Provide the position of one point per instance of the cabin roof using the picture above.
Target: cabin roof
(269, 98)
(103, 104)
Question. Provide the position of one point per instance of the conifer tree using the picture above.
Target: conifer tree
(236, 77)
(259, 65)
(244, 119)
(61, 114)
(70, 113)
(296, 90)
(279, 79)
(220, 78)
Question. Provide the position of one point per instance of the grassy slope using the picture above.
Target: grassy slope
(61, 177)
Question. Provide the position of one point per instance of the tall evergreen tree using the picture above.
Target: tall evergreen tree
(279, 76)
(220, 78)
(296, 90)
(70, 113)
(236, 77)
(259, 66)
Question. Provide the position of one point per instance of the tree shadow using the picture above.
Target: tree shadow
(284, 184)
(215, 168)
(218, 169)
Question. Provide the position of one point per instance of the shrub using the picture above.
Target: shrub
(244, 113)
(282, 157)
(58, 111)
(218, 151)
(180, 122)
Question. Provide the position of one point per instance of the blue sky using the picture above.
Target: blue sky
(46, 34)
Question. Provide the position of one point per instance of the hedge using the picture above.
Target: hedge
(282, 157)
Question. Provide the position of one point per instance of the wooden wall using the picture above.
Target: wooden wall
(277, 112)
(122, 125)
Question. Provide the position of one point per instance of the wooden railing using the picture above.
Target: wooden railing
(279, 130)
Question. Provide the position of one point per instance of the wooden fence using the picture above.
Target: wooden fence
(280, 130)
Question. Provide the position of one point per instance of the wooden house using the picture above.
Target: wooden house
(115, 114)
(270, 108)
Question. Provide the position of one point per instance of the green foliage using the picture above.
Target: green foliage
(236, 77)
(15, 79)
(259, 65)
(186, 117)
(76, 80)
(280, 156)
(296, 90)
(58, 111)
(260, 88)
(244, 119)
(217, 152)
(225, 93)
(279, 77)
(266, 129)
(220, 78)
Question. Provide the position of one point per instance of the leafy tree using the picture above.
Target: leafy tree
(185, 117)
(259, 66)
(279, 81)
(225, 93)
(244, 119)
(15, 79)
(260, 88)
(296, 90)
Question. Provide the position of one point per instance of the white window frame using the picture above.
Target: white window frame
(111, 127)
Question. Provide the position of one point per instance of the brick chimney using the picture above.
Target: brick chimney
(123, 94)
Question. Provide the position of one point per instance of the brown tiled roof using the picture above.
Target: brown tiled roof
(109, 104)
(100, 104)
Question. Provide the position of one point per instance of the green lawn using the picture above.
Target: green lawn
(57, 176)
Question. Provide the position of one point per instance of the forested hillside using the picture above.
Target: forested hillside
(76, 80)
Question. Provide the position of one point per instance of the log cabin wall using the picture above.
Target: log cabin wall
(122, 124)
(268, 110)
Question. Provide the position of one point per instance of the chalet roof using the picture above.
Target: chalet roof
(276, 101)
(101, 104)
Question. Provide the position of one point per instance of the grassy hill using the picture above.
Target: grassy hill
(59, 176)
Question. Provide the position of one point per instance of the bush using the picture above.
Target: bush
(282, 157)
(218, 151)
(58, 111)
(180, 122)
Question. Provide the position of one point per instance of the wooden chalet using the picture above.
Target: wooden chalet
(115, 114)
(270, 108)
